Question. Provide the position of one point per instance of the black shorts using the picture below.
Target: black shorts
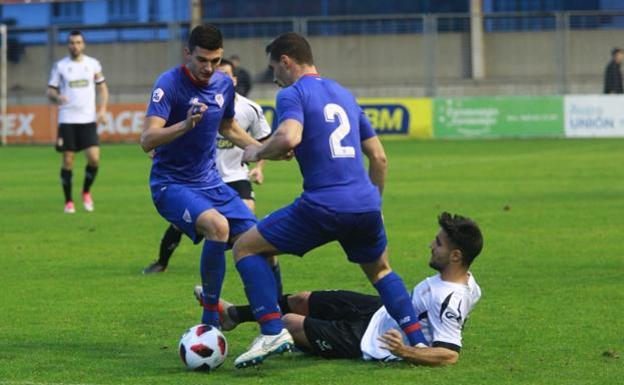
(76, 136)
(243, 188)
(337, 322)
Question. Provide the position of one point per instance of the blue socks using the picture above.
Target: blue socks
(261, 291)
(212, 271)
(399, 305)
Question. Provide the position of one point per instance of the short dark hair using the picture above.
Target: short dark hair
(464, 234)
(615, 51)
(292, 45)
(226, 62)
(75, 32)
(205, 36)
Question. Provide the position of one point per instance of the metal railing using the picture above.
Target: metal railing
(545, 52)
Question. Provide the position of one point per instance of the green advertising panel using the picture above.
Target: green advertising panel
(506, 116)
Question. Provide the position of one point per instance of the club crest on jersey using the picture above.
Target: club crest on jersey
(219, 99)
(186, 216)
(157, 95)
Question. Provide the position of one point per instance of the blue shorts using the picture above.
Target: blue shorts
(181, 205)
(303, 226)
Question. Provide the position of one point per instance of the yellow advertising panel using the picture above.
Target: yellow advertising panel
(388, 116)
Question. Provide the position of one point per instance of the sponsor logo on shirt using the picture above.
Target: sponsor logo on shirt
(224, 144)
(219, 99)
(79, 83)
(157, 95)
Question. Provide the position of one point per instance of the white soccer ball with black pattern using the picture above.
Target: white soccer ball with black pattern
(203, 348)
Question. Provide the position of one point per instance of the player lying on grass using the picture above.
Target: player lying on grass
(344, 324)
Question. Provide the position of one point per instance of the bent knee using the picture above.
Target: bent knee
(213, 226)
(293, 322)
(300, 303)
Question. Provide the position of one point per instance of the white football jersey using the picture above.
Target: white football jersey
(250, 117)
(442, 308)
(76, 80)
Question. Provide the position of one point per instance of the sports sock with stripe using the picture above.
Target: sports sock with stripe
(399, 305)
(260, 288)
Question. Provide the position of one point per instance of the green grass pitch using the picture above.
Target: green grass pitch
(74, 308)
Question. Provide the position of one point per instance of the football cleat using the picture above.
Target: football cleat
(264, 346)
(155, 267)
(225, 320)
(87, 201)
(69, 208)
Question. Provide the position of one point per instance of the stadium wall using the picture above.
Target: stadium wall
(374, 65)
(572, 116)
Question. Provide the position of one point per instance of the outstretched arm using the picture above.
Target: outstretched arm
(230, 129)
(378, 163)
(279, 145)
(434, 356)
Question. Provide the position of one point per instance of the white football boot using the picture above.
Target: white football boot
(264, 346)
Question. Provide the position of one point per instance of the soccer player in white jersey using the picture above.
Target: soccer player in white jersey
(344, 324)
(72, 86)
(235, 174)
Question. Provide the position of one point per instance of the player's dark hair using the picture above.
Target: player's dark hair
(292, 45)
(464, 234)
(226, 62)
(205, 36)
(75, 32)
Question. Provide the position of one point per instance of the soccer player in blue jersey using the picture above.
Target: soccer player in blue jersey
(189, 104)
(322, 123)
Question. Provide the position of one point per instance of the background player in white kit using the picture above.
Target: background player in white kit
(73, 83)
(250, 117)
(345, 324)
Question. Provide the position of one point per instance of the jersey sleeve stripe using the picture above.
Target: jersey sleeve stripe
(446, 345)
(263, 138)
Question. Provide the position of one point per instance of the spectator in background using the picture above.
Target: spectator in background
(244, 79)
(613, 75)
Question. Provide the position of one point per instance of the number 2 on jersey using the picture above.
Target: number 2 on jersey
(332, 111)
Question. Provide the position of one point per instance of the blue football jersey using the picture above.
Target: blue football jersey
(330, 152)
(190, 158)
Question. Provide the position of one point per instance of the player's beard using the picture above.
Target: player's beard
(436, 264)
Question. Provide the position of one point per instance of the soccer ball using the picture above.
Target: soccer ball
(203, 348)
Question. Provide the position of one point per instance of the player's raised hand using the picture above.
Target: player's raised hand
(256, 175)
(194, 114)
(392, 340)
(251, 153)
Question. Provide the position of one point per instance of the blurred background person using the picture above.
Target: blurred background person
(244, 84)
(613, 73)
(72, 86)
